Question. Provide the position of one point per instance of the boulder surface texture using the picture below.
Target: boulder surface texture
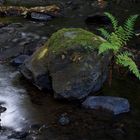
(116, 105)
(69, 64)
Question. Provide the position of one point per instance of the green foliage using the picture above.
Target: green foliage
(69, 38)
(121, 34)
(116, 40)
(125, 60)
(114, 21)
(105, 33)
(106, 46)
(129, 26)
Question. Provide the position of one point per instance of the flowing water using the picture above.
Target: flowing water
(15, 99)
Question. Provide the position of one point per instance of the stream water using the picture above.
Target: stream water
(27, 106)
(14, 96)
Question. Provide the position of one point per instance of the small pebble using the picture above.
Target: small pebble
(64, 119)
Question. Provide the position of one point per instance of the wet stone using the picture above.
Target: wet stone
(36, 129)
(18, 135)
(116, 105)
(64, 119)
(44, 38)
(16, 41)
(40, 16)
(43, 82)
(19, 60)
(2, 2)
(2, 109)
(72, 76)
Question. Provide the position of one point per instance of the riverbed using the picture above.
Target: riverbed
(36, 114)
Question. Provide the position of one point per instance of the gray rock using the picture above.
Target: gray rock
(43, 82)
(2, 2)
(19, 60)
(116, 105)
(40, 16)
(16, 40)
(18, 135)
(64, 119)
(75, 71)
(25, 35)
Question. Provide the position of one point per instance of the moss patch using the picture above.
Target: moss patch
(63, 41)
(70, 38)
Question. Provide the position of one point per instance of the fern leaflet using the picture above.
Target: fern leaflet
(106, 46)
(104, 33)
(125, 60)
(129, 26)
(113, 20)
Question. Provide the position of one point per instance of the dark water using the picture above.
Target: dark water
(74, 15)
(26, 105)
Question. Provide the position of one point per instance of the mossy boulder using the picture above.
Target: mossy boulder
(70, 62)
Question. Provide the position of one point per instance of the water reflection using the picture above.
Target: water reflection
(20, 110)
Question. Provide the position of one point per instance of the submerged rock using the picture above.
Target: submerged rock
(19, 60)
(40, 16)
(64, 119)
(70, 58)
(2, 2)
(116, 105)
(44, 13)
(16, 40)
(18, 135)
(43, 82)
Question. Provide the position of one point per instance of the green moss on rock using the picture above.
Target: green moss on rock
(69, 38)
(61, 42)
(74, 70)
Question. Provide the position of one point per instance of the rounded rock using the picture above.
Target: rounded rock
(70, 63)
(64, 119)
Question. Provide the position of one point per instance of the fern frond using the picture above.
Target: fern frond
(128, 54)
(106, 46)
(115, 40)
(113, 20)
(121, 37)
(129, 26)
(125, 60)
(104, 33)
